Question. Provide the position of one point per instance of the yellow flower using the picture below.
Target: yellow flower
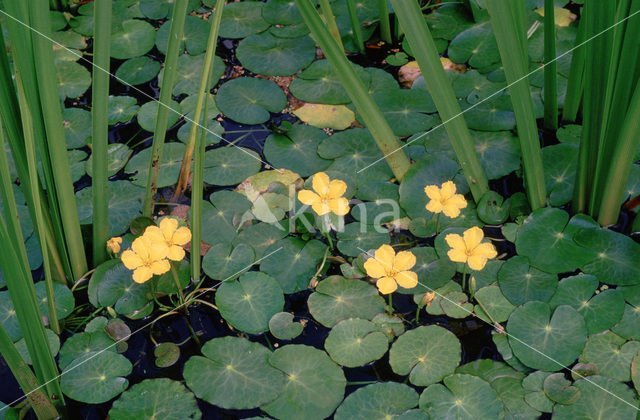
(146, 258)
(445, 200)
(113, 244)
(327, 196)
(391, 269)
(470, 249)
(170, 234)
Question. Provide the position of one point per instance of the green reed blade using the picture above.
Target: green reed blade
(355, 25)
(203, 91)
(510, 35)
(373, 118)
(575, 85)
(550, 68)
(424, 50)
(330, 20)
(176, 32)
(385, 23)
(100, 128)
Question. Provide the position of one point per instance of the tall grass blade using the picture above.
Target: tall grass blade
(550, 68)
(203, 91)
(385, 23)
(425, 52)
(373, 118)
(176, 32)
(575, 85)
(355, 25)
(510, 32)
(330, 20)
(56, 142)
(100, 128)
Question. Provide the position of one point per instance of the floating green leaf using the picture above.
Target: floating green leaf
(138, 70)
(292, 262)
(124, 205)
(224, 262)
(242, 19)
(378, 401)
(521, 283)
(272, 56)
(230, 165)
(355, 342)
(600, 397)
(282, 326)
(122, 109)
(111, 285)
(249, 100)
(102, 372)
(73, 79)
(611, 354)
(135, 38)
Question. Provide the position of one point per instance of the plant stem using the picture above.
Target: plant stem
(176, 280)
(203, 93)
(550, 68)
(385, 24)
(330, 20)
(355, 25)
(176, 33)
(100, 128)
(439, 86)
(373, 118)
(508, 26)
(390, 307)
(437, 223)
(464, 277)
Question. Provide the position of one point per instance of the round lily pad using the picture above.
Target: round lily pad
(8, 317)
(214, 131)
(242, 19)
(292, 262)
(148, 112)
(125, 203)
(234, 373)
(52, 339)
(77, 126)
(359, 237)
(281, 12)
(111, 285)
(168, 169)
(230, 165)
(73, 79)
(559, 389)
(166, 354)
(337, 298)
(496, 305)
(194, 39)
(426, 354)
(611, 354)
(463, 397)
(224, 262)
(406, 110)
(249, 302)
(272, 56)
(190, 71)
(80, 344)
(138, 70)
(546, 341)
(296, 150)
(320, 84)
(117, 156)
(102, 372)
(153, 398)
(249, 100)
(283, 327)
(433, 272)
(629, 325)
(521, 283)
(546, 239)
(476, 45)
(615, 256)
(65, 303)
(378, 401)
(338, 117)
(355, 342)
(600, 397)
(314, 385)
(221, 215)
(122, 109)
(560, 162)
(135, 38)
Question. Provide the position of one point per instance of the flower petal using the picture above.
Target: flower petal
(130, 259)
(448, 190)
(407, 279)
(385, 255)
(434, 206)
(457, 255)
(321, 208)
(320, 183)
(458, 200)
(142, 274)
(160, 267)
(451, 211)
(476, 262)
(154, 234)
(386, 285)
(141, 247)
(485, 250)
(433, 192)
(374, 268)
(176, 253)
(158, 251)
(181, 236)
(168, 226)
(404, 260)
(308, 197)
(472, 237)
(455, 241)
(337, 188)
(339, 206)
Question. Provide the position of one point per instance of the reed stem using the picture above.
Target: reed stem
(550, 68)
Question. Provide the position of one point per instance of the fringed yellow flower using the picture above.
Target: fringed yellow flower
(470, 249)
(114, 243)
(146, 258)
(445, 200)
(391, 269)
(328, 195)
(170, 234)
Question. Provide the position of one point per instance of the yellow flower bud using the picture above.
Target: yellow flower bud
(113, 244)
